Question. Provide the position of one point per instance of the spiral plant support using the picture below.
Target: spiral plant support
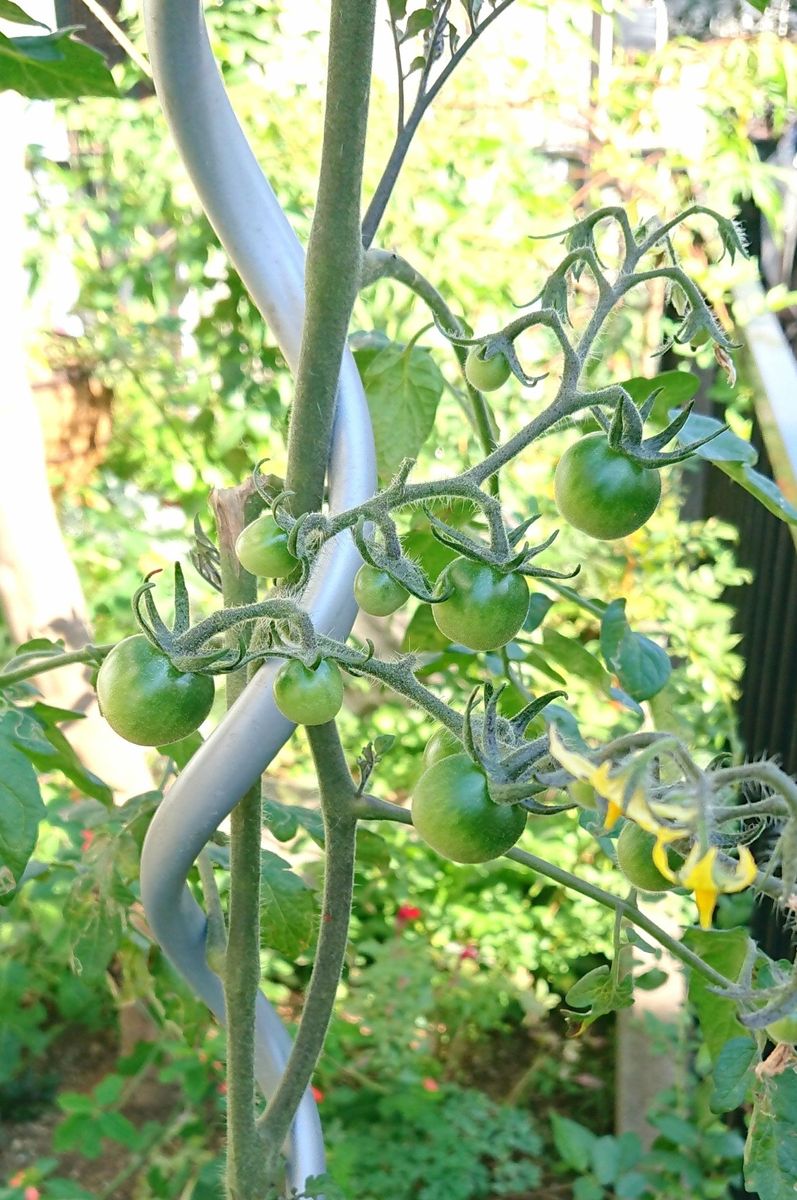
(247, 217)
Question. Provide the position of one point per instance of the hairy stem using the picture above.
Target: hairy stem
(334, 251)
(247, 1174)
(86, 654)
(338, 796)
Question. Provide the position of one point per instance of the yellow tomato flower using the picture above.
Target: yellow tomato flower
(705, 875)
(613, 787)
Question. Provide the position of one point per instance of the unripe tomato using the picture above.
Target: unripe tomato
(262, 548)
(783, 1030)
(309, 695)
(486, 608)
(442, 744)
(148, 701)
(601, 491)
(486, 374)
(635, 858)
(453, 813)
(378, 593)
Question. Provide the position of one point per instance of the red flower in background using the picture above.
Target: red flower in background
(430, 1085)
(86, 838)
(318, 1095)
(408, 912)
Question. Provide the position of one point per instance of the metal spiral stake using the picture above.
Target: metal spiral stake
(255, 232)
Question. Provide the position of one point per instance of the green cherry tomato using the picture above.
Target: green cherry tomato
(442, 744)
(148, 701)
(601, 491)
(486, 608)
(376, 592)
(309, 695)
(784, 1030)
(453, 813)
(635, 858)
(262, 548)
(486, 374)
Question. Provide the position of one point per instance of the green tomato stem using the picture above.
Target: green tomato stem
(338, 802)
(247, 1170)
(86, 654)
(334, 252)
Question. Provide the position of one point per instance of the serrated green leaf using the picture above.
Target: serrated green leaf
(21, 809)
(733, 1073)
(403, 388)
(725, 950)
(582, 993)
(52, 67)
(770, 1154)
(288, 913)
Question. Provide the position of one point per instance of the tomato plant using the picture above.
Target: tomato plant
(486, 374)
(262, 548)
(309, 695)
(148, 701)
(453, 813)
(486, 607)
(378, 593)
(601, 491)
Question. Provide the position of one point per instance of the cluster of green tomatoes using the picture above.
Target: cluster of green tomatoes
(599, 491)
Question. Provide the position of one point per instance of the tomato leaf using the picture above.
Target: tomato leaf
(725, 950)
(573, 1141)
(675, 387)
(733, 1073)
(770, 1154)
(288, 909)
(9, 11)
(641, 666)
(422, 18)
(539, 605)
(727, 447)
(41, 741)
(21, 809)
(53, 66)
(576, 660)
(765, 490)
(403, 388)
(737, 458)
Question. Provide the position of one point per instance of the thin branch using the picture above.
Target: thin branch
(119, 36)
(379, 200)
(338, 796)
(400, 78)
